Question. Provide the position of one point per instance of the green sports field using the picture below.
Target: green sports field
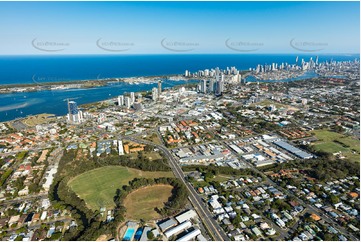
(349, 146)
(97, 187)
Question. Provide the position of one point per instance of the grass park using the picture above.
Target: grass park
(141, 204)
(38, 119)
(97, 187)
(332, 142)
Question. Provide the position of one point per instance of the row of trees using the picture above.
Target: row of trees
(141, 163)
(216, 170)
(5, 176)
(325, 170)
(90, 224)
(322, 168)
(176, 201)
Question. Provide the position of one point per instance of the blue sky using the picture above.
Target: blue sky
(178, 27)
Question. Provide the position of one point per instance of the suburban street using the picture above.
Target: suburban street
(24, 198)
(307, 206)
(213, 227)
(207, 216)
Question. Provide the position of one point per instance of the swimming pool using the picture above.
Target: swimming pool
(138, 234)
(128, 234)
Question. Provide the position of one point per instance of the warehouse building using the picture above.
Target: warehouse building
(190, 236)
(181, 227)
(188, 215)
(297, 152)
(167, 224)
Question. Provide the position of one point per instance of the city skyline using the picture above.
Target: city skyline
(128, 28)
(180, 121)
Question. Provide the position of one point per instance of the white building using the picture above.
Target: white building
(127, 102)
(44, 215)
(120, 100)
(203, 86)
(181, 227)
(186, 216)
(120, 148)
(132, 97)
(154, 94)
(190, 235)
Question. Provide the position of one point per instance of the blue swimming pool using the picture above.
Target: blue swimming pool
(138, 234)
(128, 234)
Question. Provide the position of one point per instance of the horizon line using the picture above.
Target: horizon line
(180, 54)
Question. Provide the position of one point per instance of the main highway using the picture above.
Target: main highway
(213, 227)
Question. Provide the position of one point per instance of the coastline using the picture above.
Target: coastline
(22, 105)
(73, 84)
(23, 120)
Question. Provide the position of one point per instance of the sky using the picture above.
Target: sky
(36, 28)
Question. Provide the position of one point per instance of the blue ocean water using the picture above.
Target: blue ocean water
(23, 69)
(53, 68)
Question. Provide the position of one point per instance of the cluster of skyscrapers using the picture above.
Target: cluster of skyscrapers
(303, 65)
(213, 86)
(127, 101)
(131, 101)
(212, 72)
(76, 116)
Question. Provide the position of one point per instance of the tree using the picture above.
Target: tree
(19, 238)
(5, 176)
(44, 226)
(34, 187)
(334, 199)
(150, 235)
(21, 230)
(237, 220)
(208, 176)
(55, 236)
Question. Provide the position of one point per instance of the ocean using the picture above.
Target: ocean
(60, 68)
(23, 69)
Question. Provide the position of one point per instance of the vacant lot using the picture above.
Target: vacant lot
(333, 142)
(38, 119)
(141, 204)
(153, 138)
(97, 187)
